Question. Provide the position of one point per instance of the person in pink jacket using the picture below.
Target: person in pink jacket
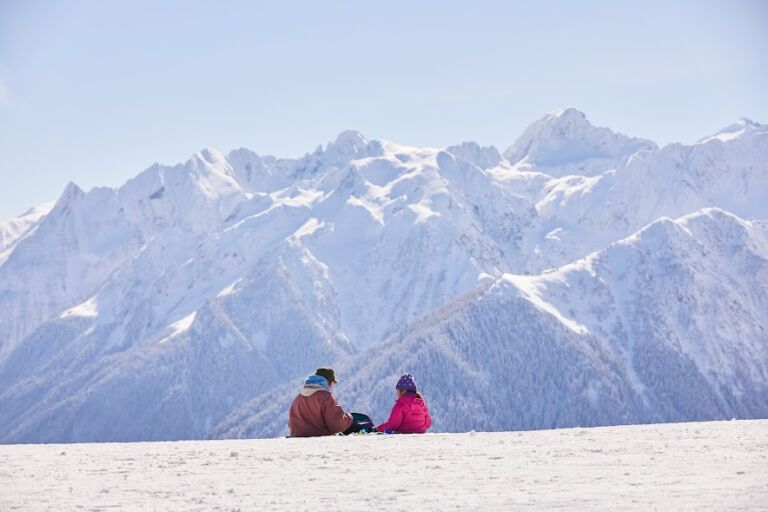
(410, 414)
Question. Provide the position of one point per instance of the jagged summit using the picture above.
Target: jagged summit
(483, 157)
(72, 192)
(350, 139)
(351, 144)
(565, 142)
(209, 155)
(742, 127)
(564, 123)
(568, 115)
(13, 230)
(745, 121)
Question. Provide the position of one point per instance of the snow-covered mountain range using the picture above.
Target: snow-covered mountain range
(581, 278)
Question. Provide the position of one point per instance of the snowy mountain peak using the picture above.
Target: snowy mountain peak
(350, 139)
(70, 194)
(564, 123)
(569, 115)
(210, 156)
(209, 161)
(36, 213)
(745, 121)
(565, 142)
(13, 230)
(472, 152)
(72, 190)
(742, 127)
(352, 144)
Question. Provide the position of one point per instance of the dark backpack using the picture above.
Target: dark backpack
(360, 423)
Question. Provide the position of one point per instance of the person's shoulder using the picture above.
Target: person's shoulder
(324, 394)
(411, 399)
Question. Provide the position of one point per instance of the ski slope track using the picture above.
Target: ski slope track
(581, 277)
(717, 466)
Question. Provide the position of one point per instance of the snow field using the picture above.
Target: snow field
(686, 466)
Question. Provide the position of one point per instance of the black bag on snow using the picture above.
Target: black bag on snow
(360, 423)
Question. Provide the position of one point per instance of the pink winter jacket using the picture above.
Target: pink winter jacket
(409, 416)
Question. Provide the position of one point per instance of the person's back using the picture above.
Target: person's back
(314, 411)
(410, 414)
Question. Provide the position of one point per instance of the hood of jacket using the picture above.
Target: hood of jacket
(411, 400)
(313, 384)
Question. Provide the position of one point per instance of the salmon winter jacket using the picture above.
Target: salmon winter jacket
(315, 412)
(410, 415)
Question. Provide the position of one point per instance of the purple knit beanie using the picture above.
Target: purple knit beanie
(406, 383)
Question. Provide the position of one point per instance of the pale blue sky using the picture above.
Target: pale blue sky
(96, 91)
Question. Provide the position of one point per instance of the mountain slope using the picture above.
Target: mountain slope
(283, 270)
(662, 326)
(14, 230)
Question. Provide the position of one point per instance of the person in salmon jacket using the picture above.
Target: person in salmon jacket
(315, 411)
(410, 414)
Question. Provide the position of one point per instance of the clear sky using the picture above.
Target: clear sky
(96, 91)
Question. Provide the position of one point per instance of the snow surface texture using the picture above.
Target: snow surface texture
(694, 466)
(581, 278)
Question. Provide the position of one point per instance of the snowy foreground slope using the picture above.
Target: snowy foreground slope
(714, 466)
(585, 276)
